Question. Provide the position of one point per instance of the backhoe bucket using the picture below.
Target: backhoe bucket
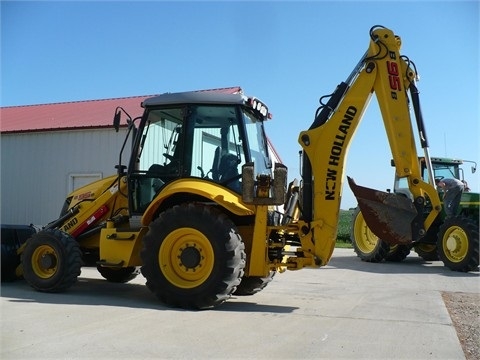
(389, 216)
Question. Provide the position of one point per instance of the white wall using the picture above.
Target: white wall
(39, 169)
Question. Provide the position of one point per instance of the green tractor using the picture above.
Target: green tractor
(453, 240)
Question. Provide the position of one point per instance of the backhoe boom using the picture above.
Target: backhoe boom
(386, 73)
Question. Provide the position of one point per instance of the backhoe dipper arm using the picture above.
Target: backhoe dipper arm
(325, 146)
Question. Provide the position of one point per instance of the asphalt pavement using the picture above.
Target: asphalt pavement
(348, 309)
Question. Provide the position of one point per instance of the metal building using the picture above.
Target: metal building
(49, 150)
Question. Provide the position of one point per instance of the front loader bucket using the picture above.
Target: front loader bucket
(389, 216)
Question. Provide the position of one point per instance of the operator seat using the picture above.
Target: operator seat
(228, 174)
(156, 172)
(228, 167)
(216, 164)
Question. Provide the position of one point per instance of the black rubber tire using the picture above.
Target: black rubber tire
(120, 275)
(366, 244)
(397, 253)
(51, 261)
(251, 285)
(193, 257)
(458, 244)
(427, 248)
(427, 252)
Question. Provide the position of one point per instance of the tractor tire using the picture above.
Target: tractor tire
(366, 244)
(397, 253)
(251, 285)
(427, 252)
(120, 275)
(51, 261)
(458, 243)
(193, 257)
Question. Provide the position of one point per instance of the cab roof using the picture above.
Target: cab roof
(196, 97)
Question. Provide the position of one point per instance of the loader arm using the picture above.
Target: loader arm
(383, 71)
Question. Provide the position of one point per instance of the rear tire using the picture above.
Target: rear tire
(366, 244)
(120, 275)
(193, 257)
(458, 244)
(51, 261)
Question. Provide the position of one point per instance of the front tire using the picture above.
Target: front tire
(458, 244)
(397, 253)
(193, 257)
(366, 244)
(51, 261)
(427, 252)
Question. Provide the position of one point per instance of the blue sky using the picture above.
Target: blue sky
(288, 54)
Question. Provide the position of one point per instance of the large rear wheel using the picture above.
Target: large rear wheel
(193, 257)
(366, 244)
(458, 244)
(51, 261)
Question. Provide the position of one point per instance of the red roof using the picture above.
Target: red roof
(73, 115)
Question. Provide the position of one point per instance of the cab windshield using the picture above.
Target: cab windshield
(258, 143)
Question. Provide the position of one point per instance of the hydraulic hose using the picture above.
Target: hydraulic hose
(70, 213)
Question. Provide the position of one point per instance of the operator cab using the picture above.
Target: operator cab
(442, 168)
(205, 135)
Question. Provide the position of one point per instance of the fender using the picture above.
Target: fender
(222, 196)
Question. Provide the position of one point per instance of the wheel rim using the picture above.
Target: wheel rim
(44, 261)
(365, 239)
(186, 258)
(455, 244)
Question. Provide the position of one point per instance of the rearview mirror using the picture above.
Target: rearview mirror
(474, 166)
(116, 119)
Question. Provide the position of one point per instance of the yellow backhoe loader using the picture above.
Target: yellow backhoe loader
(195, 208)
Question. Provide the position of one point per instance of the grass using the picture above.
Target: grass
(343, 233)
